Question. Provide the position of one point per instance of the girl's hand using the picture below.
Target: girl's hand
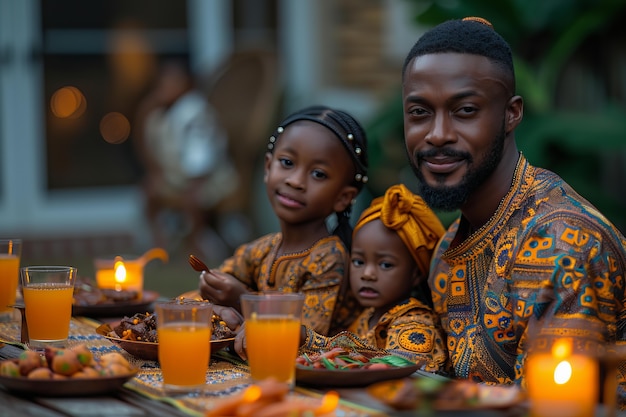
(240, 342)
(233, 319)
(221, 288)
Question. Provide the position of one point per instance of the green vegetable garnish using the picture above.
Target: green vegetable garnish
(328, 364)
(393, 360)
(350, 360)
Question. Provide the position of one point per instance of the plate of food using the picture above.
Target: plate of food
(91, 301)
(444, 394)
(71, 373)
(350, 367)
(138, 336)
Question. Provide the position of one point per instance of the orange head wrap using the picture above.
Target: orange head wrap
(409, 216)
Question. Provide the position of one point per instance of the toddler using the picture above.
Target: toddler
(391, 251)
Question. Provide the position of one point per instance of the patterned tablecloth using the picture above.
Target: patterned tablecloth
(227, 375)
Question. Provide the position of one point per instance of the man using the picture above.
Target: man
(528, 260)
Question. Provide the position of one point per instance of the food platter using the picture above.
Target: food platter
(348, 361)
(150, 350)
(448, 395)
(70, 387)
(463, 395)
(116, 309)
(349, 377)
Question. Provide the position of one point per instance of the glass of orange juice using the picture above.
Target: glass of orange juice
(48, 294)
(184, 335)
(10, 252)
(272, 331)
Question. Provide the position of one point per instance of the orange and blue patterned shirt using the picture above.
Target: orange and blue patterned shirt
(546, 265)
(409, 329)
(319, 272)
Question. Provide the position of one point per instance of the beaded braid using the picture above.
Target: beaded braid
(352, 135)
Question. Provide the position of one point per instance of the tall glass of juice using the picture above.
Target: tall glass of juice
(48, 294)
(184, 333)
(272, 330)
(10, 252)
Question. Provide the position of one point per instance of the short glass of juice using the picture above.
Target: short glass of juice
(184, 336)
(48, 295)
(272, 330)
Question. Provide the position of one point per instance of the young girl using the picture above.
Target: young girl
(392, 246)
(315, 166)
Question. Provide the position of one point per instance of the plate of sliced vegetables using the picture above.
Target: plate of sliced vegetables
(342, 367)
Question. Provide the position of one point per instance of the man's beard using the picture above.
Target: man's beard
(451, 198)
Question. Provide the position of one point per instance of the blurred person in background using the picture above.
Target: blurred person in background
(188, 170)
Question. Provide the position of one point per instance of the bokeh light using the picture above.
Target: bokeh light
(68, 103)
(114, 127)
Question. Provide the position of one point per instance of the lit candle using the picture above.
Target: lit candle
(561, 383)
(121, 276)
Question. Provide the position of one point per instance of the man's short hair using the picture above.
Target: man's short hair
(471, 35)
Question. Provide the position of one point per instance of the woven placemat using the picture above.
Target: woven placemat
(227, 374)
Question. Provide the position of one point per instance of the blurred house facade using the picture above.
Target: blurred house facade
(72, 72)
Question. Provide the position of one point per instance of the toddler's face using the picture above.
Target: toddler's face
(382, 270)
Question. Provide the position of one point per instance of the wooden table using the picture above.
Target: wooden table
(141, 396)
(137, 398)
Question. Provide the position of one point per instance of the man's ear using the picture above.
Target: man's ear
(514, 113)
(268, 161)
(345, 198)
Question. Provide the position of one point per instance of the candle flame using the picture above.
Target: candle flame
(330, 400)
(562, 372)
(120, 271)
(562, 348)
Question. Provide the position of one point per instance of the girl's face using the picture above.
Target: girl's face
(382, 270)
(309, 174)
